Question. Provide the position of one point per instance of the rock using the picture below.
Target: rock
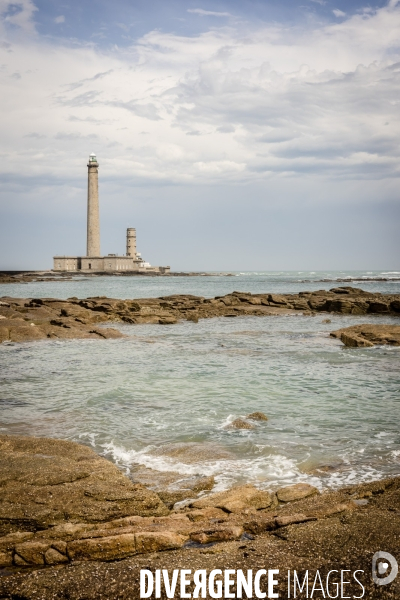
(186, 488)
(367, 335)
(236, 500)
(129, 522)
(298, 491)
(19, 561)
(379, 307)
(292, 519)
(158, 541)
(240, 424)
(206, 513)
(104, 548)
(217, 534)
(277, 299)
(8, 542)
(326, 321)
(60, 546)
(64, 533)
(73, 318)
(194, 317)
(355, 341)
(395, 305)
(342, 530)
(32, 552)
(6, 559)
(168, 320)
(53, 557)
(259, 524)
(45, 482)
(257, 416)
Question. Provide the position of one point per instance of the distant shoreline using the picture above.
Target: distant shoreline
(43, 276)
(25, 276)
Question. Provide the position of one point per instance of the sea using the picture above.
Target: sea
(159, 402)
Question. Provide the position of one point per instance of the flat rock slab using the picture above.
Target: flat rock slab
(237, 499)
(365, 336)
(298, 491)
(46, 482)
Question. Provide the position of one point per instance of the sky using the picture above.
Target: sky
(257, 135)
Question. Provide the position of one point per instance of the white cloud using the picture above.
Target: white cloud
(228, 105)
(338, 13)
(208, 13)
(18, 14)
(59, 19)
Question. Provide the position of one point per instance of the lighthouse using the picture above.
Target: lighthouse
(93, 218)
(130, 263)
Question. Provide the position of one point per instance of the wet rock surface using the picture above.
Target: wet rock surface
(50, 318)
(92, 553)
(366, 336)
(46, 482)
(257, 416)
(240, 423)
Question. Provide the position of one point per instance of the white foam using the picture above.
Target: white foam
(265, 472)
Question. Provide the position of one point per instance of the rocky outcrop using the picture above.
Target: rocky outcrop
(366, 335)
(30, 320)
(49, 318)
(61, 504)
(325, 531)
(46, 483)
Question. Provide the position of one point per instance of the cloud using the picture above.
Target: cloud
(59, 19)
(89, 119)
(146, 111)
(77, 84)
(228, 105)
(74, 136)
(338, 13)
(35, 135)
(208, 13)
(226, 129)
(17, 14)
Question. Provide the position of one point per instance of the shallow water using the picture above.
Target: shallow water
(207, 286)
(162, 398)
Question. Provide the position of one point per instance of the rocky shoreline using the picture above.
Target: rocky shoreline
(51, 318)
(73, 526)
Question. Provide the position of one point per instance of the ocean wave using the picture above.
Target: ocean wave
(268, 473)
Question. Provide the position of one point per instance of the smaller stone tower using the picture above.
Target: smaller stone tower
(131, 242)
(93, 219)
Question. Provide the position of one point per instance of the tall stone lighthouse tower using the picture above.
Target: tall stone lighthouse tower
(93, 219)
(131, 242)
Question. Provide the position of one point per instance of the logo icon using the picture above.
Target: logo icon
(381, 561)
